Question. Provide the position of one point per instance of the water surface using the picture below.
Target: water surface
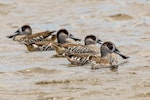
(37, 76)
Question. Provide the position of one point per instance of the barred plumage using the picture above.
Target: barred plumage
(74, 48)
(36, 37)
(42, 45)
(77, 59)
(34, 47)
(78, 49)
(98, 63)
(46, 48)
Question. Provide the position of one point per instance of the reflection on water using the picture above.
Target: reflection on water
(37, 75)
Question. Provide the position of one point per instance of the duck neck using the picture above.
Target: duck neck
(28, 31)
(105, 52)
(89, 42)
(62, 41)
(61, 38)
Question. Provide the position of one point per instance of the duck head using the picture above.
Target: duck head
(63, 35)
(24, 30)
(92, 39)
(109, 47)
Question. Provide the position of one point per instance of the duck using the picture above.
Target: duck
(46, 45)
(71, 48)
(107, 59)
(42, 45)
(23, 31)
(24, 35)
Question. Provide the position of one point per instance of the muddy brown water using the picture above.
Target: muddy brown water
(38, 76)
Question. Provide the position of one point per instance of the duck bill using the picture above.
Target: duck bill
(99, 41)
(15, 34)
(72, 37)
(118, 52)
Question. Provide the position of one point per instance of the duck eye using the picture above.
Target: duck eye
(93, 37)
(110, 46)
(24, 28)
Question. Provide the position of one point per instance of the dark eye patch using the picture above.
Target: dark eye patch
(91, 37)
(24, 28)
(110, 46)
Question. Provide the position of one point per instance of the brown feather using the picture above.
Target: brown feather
(44, 34)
